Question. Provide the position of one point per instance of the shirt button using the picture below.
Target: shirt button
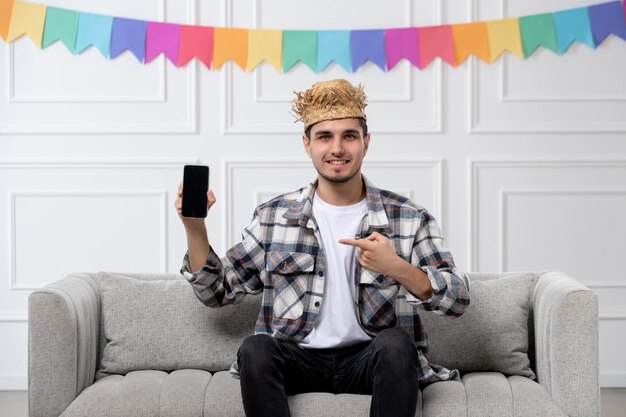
(321, 274)
(317, 304)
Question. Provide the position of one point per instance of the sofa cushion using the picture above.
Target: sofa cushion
(492, 335)
(161, 325)
(144, 394)
(488, 394)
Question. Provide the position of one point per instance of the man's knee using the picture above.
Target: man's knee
(257, 350)
(394, 346)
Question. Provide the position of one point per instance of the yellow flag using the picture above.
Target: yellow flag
(265, 45)
(28, 19)
(504, 35)
(230, 43)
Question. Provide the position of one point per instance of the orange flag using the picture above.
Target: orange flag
(230, 44)
(6, 7)
(504, 35)
(470, 38)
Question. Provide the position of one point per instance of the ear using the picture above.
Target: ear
(366, 142)
(306, 142)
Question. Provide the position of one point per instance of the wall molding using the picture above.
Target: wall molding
(86, 193)
(229, 166)
(13, 382)
(13, 317)
(475, 126)
(613, 379)
(474, 166)
(504, 204)
(188, 126)
(228, 126)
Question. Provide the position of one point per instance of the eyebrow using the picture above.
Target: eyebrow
(345, 132)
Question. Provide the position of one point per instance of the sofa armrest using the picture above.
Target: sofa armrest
(566, 343)
(63, 330)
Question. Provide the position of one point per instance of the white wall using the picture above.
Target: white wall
(523, 162)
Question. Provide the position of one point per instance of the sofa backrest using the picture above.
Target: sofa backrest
(154, 321)
(496, 331)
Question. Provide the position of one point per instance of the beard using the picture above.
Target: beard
(341, 179)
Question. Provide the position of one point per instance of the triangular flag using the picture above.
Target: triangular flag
(27, 19)
(333, 45)
(538, 30)
(402, 43)
(470, 38)
(128, 34)
(606, 19)
(573, 25)
(60, 25)
(6, 8)
(504, 35)
(162, 38)
(367, 45)
(230, 43)
(299, 45)
(436, 41)
(94, 29)
(195, 42)
(265, 45)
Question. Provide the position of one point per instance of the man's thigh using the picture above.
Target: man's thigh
(306, 370)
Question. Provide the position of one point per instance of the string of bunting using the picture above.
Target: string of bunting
(317, 49)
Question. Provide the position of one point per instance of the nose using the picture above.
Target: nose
(337, 147)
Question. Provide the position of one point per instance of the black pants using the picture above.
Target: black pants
(386, 368)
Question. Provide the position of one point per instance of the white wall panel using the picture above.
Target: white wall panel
(548, 92)
(88, 231)
(403, 100)
(51, 91)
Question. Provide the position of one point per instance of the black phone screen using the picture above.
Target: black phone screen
(195, 187)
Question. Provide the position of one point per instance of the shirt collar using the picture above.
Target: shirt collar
(301, 209)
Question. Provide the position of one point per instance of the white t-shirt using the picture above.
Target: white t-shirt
(337, 323)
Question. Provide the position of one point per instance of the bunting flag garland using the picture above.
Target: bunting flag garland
(316, 49)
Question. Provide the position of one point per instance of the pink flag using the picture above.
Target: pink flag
(162, 38)
(195, 41)
(436, 41)
(401, 43)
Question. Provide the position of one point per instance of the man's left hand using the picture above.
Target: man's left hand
(376, 253)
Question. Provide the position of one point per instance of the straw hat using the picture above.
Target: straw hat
(329, 100)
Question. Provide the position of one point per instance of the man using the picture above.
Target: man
(343, 267)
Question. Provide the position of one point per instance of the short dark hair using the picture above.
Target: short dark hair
(362, 122)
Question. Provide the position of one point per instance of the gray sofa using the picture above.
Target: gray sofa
(110, 344)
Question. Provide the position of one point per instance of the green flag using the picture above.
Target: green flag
(60, 25)
(299, 45)
(538, 30)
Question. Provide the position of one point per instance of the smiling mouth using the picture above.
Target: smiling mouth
(338, 162)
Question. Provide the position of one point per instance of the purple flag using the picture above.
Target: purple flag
(128, 34)
(402, 43)
(606, 19)
(367, 45)
(162, 38)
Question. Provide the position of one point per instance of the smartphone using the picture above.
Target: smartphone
(195, 187)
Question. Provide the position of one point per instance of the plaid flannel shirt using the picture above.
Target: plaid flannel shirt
(280, 255)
